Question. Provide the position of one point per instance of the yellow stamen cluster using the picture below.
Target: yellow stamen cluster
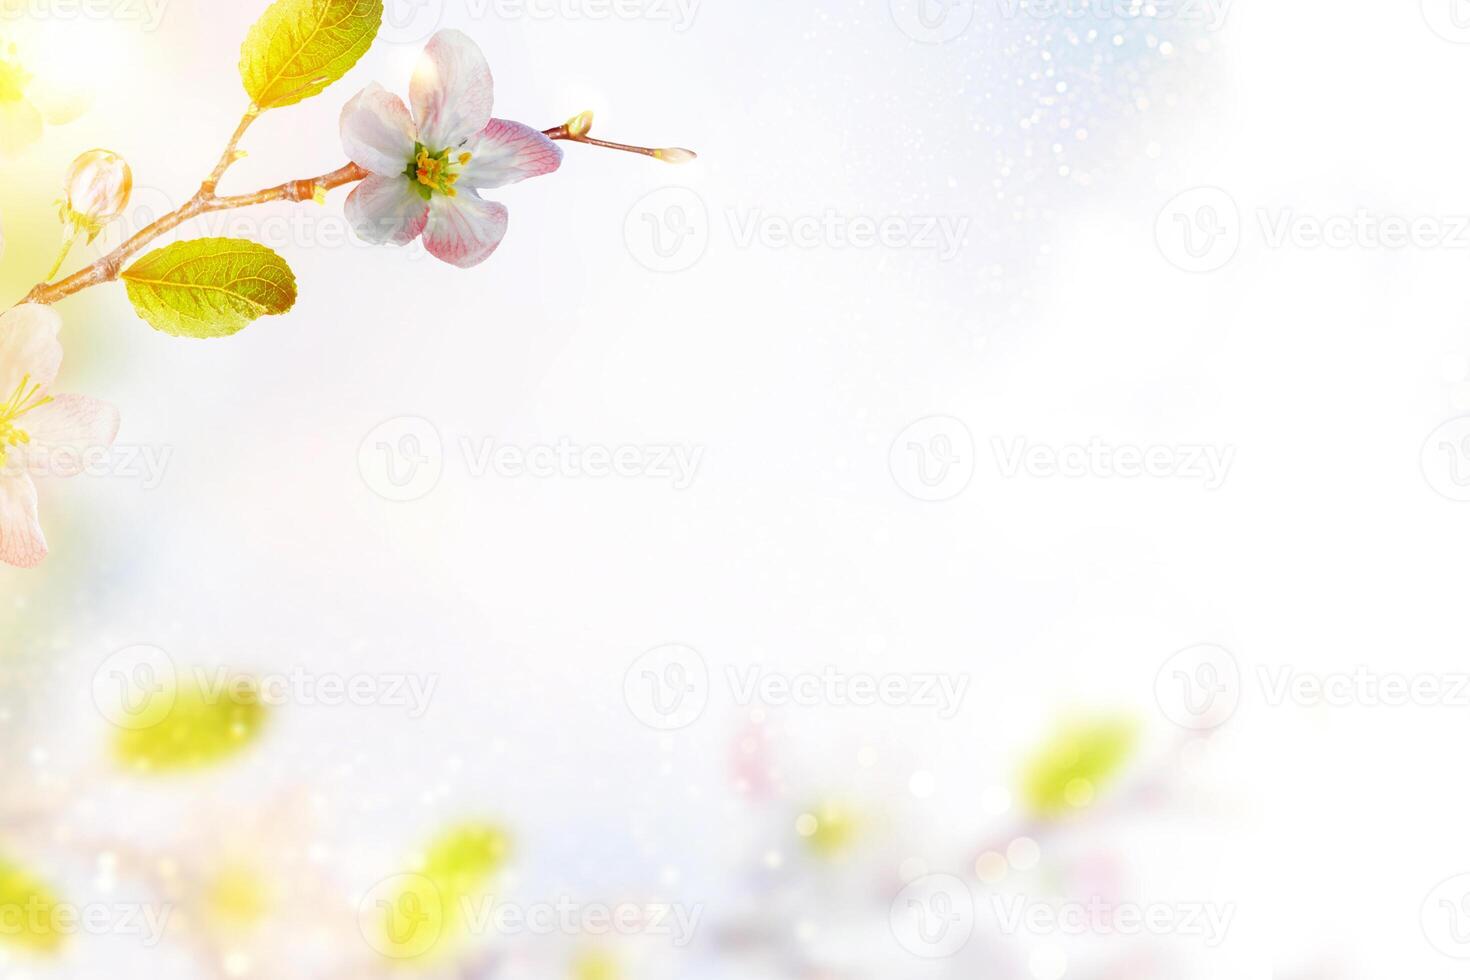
(436, 172)
(25, 397)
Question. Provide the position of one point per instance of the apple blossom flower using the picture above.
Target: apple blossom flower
(426, 167)
(37, 430)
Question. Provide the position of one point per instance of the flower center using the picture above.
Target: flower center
(25, 397)
(435, 172)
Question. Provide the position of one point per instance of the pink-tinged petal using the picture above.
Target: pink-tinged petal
(21, 541)
(29, 349)
(464, 230)
(68, 425)
(377, 131)
(507, 152)
(387, 211)
(452, 91)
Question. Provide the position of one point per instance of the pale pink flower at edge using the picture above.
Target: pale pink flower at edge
(39, 432)
(426, 167)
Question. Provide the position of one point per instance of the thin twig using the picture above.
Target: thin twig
(230, 155)
(109, 267)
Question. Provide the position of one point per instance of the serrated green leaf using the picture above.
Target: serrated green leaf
(209, 287)
(29, 908)
(200, 727)
(299, 47)
(1070, 770)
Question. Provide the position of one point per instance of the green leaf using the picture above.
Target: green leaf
(299, 47)
(209, 287)
(1069, 771)
(30, 907)
(199, 727)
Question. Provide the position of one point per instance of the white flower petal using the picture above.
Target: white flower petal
(507, 152)
(464, 230)
(29, 348)
(71, 423)
(387, 211)
(452, 92)
(377, 131)
(21, 541)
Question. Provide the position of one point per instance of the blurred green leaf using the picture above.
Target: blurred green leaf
(1069, 771)
(200, 728)
(462, 859)
(424, 916)
(27, 911)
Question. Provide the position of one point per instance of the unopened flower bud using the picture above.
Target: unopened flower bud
(579, 125)
(98, 186)
(675, 154)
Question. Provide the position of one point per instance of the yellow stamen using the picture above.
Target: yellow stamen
(434, 173)
(25, 397)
